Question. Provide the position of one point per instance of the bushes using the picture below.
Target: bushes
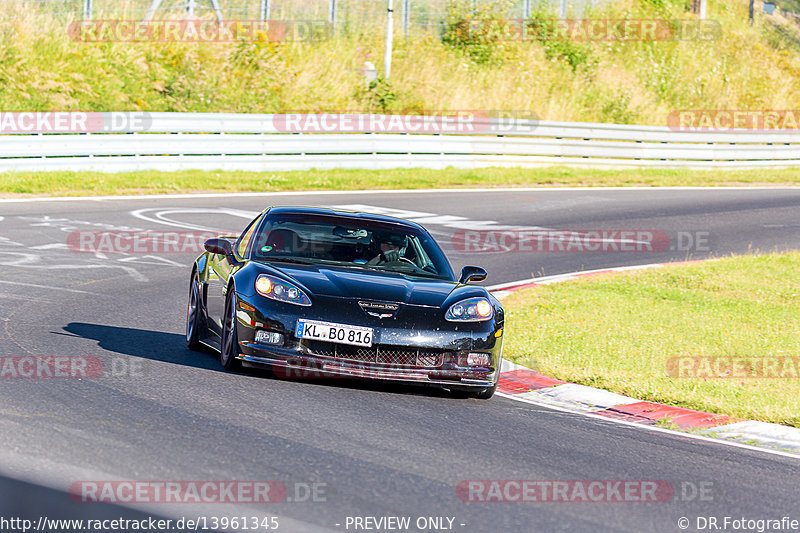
(480, 32)
(487, 36)
(543, 27)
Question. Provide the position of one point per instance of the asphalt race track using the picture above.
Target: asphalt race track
(161, 412)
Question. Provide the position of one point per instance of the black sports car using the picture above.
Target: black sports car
(319, 292)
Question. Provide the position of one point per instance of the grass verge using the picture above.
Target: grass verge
(98, 183)
(700, 336)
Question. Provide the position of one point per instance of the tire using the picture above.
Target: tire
(228, 346)
(194, 315)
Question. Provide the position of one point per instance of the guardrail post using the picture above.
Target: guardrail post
(264, 10)
(387, 58)
(406, 16)
(151, 11)
(217, 9)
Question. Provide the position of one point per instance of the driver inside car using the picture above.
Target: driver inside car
(390, 247)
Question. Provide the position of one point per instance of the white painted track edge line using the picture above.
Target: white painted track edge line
(570, 275)
(49, 287)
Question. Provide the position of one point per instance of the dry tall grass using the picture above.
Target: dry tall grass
(757, 67)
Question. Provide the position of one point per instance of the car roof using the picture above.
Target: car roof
(325, 211)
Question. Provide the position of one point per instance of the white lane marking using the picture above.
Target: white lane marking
(25, 260)
(49, 287)
(555, 278)
(159, 215)
(5, 241)
(490, 232)
(388, 211)
(152, 260)
(51, 246)
(382, 191)
(68, 224)
(35, 261)
(650, 428)
(448, 221)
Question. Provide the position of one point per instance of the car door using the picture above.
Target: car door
(220, 271)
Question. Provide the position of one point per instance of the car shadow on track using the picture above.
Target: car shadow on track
(171, 348)
(144, 343)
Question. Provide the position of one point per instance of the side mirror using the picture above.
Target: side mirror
(472, 273)
(223, 247)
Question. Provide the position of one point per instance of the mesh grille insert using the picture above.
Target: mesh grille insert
(380, 354)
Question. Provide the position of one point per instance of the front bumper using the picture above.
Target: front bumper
(297, 365)
(441, 347)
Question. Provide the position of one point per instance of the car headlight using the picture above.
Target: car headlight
(471, 310)
(280, 290)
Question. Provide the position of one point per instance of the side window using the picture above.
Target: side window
(244, 240)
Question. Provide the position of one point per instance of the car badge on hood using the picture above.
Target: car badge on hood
(379, 309)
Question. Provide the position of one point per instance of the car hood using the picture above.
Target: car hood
(352, 283)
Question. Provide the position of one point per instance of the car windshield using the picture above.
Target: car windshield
(351, 242)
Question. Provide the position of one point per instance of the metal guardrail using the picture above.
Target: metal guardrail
(210, 141)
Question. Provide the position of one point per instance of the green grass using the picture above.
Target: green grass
(97, 183)
(618, 332)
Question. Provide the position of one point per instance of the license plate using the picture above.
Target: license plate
(331, 332)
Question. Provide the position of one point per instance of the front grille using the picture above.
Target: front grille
(380, 354)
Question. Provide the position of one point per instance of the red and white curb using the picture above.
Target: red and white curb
(523, 384)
